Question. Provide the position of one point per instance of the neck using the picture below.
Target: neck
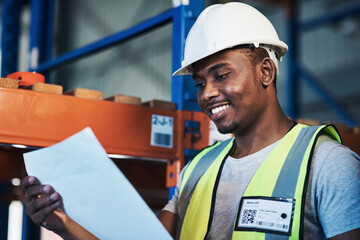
(265, 132)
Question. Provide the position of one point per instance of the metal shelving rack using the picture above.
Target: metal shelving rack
(35, 119)
(189, 125)
(182, 18)
(295, 70)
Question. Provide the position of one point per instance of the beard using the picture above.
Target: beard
(224, 129)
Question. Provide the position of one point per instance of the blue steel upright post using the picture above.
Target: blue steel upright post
(183, 91)
(10, 20)
(41, 31)
(4, 210)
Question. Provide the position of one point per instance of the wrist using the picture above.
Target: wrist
(72, 230)
(66, 225)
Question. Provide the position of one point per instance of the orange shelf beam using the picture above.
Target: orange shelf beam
(41, 119)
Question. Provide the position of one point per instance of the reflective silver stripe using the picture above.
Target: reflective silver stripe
(288, 177)
(201, 167)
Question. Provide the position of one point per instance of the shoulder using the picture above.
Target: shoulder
(336, 179)
(335, 163)
(331, 155)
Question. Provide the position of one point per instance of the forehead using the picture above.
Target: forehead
(230, 58)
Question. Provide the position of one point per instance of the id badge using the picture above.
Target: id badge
(265, 214)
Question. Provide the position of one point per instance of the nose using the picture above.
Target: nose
(209, 92)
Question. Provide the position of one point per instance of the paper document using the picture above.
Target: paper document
(95, 192)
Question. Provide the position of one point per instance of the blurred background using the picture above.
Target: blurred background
(319, 77)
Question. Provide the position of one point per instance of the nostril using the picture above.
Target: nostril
(212, 93)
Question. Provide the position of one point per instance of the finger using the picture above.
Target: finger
(55, 196)
(39, 217)
(29, 181)
(38, 204)
(37, 191)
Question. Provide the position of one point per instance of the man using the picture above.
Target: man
(275, 179)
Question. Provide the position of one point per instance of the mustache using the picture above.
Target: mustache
(215, 103)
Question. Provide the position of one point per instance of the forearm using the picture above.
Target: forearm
(169, 220)
(73, 230)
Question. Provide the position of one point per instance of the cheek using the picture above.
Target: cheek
(199, 101)
(235, 91)
(241, 95)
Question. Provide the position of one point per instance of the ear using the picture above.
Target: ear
(268, 71)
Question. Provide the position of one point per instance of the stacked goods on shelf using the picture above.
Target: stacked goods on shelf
(8, 83)
(120, 98)
(160, 104)
(45, 88)
(36, 82)
(85, 93)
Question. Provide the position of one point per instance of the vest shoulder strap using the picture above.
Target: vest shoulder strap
(195, 173)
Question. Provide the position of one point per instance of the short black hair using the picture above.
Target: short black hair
(256, 55)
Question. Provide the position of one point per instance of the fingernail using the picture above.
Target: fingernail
(54, 196)
(31, 180)
(46, 188)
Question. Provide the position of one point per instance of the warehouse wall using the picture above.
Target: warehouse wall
(141, 67)
(332, 54)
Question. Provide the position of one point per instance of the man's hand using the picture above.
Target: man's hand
(43, 205)
(45, 208)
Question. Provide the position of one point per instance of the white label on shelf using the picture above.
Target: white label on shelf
(162, 131)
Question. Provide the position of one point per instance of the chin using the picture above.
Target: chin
(224, 129)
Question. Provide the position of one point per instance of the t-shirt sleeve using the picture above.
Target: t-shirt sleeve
(172, 205)
(338, 189)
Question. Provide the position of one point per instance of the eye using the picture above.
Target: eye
(221, 77)
(200, 84)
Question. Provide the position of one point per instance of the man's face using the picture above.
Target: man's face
(229, 90)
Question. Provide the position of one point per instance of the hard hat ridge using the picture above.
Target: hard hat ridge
(223, 26)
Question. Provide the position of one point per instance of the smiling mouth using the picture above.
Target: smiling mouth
(219, 109)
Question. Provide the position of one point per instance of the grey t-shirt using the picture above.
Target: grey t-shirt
(332, 202)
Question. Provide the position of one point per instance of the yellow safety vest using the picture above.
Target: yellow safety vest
(282, 175)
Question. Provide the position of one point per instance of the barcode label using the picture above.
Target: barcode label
(265, 214)
(272, 225)
(162, 131)
(162, 139)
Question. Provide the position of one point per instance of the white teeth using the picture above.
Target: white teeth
(219, 109)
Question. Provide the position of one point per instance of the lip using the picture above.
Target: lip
(218, 115)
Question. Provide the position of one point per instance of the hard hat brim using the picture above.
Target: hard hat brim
(280, 47)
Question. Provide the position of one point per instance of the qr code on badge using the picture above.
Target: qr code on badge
(248, 216)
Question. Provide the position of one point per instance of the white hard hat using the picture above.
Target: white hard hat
(223, 26)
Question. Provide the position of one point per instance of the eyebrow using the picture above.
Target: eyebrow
(212, 68)
(217, 66)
